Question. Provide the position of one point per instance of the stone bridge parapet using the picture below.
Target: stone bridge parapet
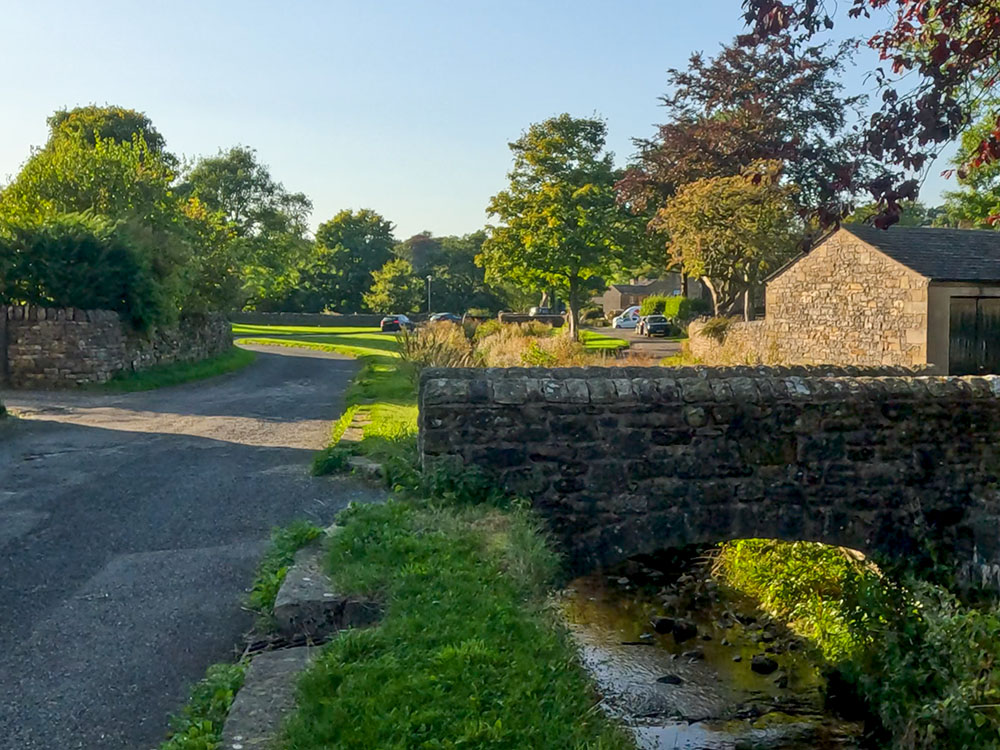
(628, 461)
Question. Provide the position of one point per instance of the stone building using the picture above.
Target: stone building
(619, 296)
(864, 296)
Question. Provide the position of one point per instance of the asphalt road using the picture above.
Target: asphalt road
(130, 527)
(654, 347)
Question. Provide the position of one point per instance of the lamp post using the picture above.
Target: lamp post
(428, 294)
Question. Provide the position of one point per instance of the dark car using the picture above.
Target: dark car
(396, 323)
(446, 317)
(654, 325)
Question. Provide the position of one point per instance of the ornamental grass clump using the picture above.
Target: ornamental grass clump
(435, 345)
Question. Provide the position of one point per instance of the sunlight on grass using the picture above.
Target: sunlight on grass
(594, 340)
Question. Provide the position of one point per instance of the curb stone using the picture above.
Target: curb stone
(267, 696)
(306, 603)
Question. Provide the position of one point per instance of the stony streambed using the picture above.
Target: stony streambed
(687, 663)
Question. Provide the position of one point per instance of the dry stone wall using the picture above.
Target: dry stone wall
(628, 461)
(59, 347)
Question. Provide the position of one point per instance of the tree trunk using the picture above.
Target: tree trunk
(684, 285)
(574, 312)
(711, 290)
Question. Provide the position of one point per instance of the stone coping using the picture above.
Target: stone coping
(690, 371)
(512, 386)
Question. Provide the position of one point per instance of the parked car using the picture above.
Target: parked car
(447, 317)
(535, 311)
(654, 325)
(629, 318)
(396, 323)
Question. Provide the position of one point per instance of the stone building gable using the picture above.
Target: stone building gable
(846, 301)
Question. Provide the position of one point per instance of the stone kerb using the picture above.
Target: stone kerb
(626, 461)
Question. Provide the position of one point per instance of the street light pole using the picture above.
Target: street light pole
(428, 294)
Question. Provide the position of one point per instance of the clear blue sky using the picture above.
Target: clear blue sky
(403, 107)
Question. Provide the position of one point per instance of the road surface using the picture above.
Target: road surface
(130, 528)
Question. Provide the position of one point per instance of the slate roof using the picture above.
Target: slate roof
(938, 254)
(647, 288)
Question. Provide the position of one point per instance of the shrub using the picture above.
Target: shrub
(716, 328)
(487, 328)
(78, 260)
(653, 305)
(435, 345)
(593, 313)
(680, 309)
(922, 661)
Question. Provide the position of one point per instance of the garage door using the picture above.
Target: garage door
(974, 346)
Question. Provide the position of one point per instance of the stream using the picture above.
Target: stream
(687, 663)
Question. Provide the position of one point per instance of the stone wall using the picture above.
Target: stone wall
(305, 319)
(633, 460)
(743, 343)
(58, 347)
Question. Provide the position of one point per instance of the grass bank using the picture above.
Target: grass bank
(467, 655)
(922, 662)
(595, 341)
(178, 372)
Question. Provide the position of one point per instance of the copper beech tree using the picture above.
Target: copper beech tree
(941, 60)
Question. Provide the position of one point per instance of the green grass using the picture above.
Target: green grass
(467, 656)
(178, 372)
(199, 724)
(596, 341)
(271, 570)
(240, 329)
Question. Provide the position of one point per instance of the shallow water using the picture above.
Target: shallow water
(699, 693)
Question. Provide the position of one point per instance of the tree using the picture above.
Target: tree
(348, 248)
(561, 225)
(748, 104)
(395, 288)
(93, 123)
(731, 231)
(943, 58)
(123, 180)
(265, 224)
(977, 203)
(457, 283)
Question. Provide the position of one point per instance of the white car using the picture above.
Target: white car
(628, 319)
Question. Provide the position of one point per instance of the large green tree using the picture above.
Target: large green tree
(732, 231)
(395, 289)
(338, 272)
(457, 283)
(266, 224)
(561, 226)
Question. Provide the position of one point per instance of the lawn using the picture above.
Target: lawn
(601, 341)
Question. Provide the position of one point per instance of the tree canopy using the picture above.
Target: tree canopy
(940, 70)
(732, 231)
(338, 271)
(561, 226)
(752, 103)
(395, 289)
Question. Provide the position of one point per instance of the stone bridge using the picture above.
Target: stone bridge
(628, 461)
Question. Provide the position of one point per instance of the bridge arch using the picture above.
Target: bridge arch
(627, 461)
